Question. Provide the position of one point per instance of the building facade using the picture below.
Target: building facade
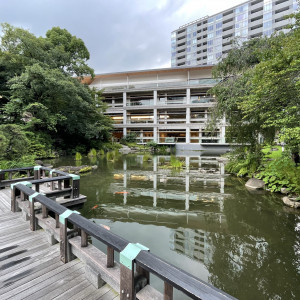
(167, 106)
(206, 40)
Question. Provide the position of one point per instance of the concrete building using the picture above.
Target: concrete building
(167, 106)
(204, 41)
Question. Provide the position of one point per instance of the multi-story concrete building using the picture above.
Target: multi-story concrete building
(205, 40)
(167, 106)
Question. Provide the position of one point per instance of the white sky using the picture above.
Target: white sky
(120, 34)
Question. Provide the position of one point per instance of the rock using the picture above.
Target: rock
(289, 202)
(274, 149)
(223, 160)
(39, 162)
(284, 191)
(255, 184)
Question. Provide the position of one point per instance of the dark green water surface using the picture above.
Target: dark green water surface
(199, 219)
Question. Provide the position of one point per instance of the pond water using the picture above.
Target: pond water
(199, 219)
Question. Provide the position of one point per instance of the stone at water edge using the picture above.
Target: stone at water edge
(284, 191)
(290, 203)
(255, 184)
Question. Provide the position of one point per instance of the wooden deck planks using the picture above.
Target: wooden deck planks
(31, 269)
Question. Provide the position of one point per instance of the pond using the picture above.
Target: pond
(199, 219)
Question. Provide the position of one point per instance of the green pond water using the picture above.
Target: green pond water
(199, 219)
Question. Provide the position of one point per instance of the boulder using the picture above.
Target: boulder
(39, 162)
(289, 202)
(255, 184)
(284, 191)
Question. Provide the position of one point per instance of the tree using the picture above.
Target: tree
(259, 92)
(41, 88)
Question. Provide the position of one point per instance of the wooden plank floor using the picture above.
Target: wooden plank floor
(31, 269)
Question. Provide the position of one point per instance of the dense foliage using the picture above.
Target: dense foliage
(42, 99)
(260, 97)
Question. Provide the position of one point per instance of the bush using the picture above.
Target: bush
(281, 173)
(92, 153)
(129, 138)
(78, 156)
(176, 163)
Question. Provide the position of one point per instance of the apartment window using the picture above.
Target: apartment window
(267, 24)
(194, 48)
(219, 54)
(210, 20)
(173, 61)
(241, 9)
(210, 57)
(219, 32)
(188, 49)
(210, 49)
(219, 25)
(173, 35)
(173, 54)
(218, 41)
(241, 17)
(210, 35)
(194, 33)
(194, 42)
(210, 28)
(210, 42)
(219, 17)
(268, 16)
(267, 5)
(218, 48)
(188, 43)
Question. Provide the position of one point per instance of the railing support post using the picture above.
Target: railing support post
(168, 291)
(64, 245)
(37, 172)
(75, 186)
(2, 177)
(110, 257)
(32, 212)
(127, 256)
(15, 192)
(84, 238)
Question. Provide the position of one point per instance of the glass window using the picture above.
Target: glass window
(188, 43)
(219, 54)
(267, 24)
(194, 48)
(218, 41)
(194, 42)
(210, 57)
(188, 56)
(218, 48)
(210, 49)
(241, 8)
(219, 32)
(194, 33)
(210, 20)
(173, 35)
(210, 28)
(188, 62)
(241, 17)
(188, 49)
(188, 36)
(209, 43)
(189, 29)
(219, 25)
(219, 17)
(193, 62)
(268, 16)
(210, 35)
(173, 54)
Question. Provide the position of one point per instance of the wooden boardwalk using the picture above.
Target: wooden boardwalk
(30, 268)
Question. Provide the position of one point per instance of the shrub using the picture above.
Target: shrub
(92, 153)
(78, 156)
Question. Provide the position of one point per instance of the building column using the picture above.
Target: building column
(155, 137)
(124, 113)
(154, 97)
(188, 135)
(188, 115)
(188, 96)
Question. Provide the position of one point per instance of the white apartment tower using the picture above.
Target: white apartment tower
(204, 41)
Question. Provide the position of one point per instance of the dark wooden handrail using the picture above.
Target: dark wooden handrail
(188, 284)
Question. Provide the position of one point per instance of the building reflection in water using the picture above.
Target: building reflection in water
(188, 202)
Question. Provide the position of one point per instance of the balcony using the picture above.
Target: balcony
(141, 102)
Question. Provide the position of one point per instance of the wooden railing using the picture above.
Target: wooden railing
(122, 276)
(62, 184)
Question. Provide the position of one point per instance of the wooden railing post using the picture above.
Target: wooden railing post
(32, 211)
(52, 183)
(64, 245)
(110, 262)
(13, 200)
(75, 186)
(37, 172)
(127, 256)
(15, 192)
(2, 177)
(84, 238)
(168, 291)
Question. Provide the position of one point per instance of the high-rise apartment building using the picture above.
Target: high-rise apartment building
(204, 41)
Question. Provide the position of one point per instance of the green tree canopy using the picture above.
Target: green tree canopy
(260, 89)
(41, 90)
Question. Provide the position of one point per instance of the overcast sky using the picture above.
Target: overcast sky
(121, 35)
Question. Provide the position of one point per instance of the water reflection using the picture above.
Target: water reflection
(201, 220)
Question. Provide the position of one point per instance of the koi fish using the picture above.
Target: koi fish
(105, 226)
(94, 207)
(124, 192)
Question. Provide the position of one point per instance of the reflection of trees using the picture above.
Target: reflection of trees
(260, 265)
